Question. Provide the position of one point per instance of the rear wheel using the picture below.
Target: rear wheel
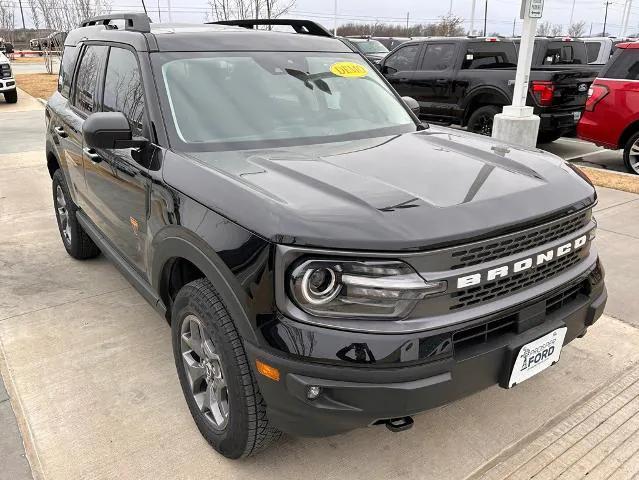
(481, 120)
(631, 154)
(217, 381)
(11, 96)
(76, 241)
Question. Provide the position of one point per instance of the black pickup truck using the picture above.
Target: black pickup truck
(467, 81)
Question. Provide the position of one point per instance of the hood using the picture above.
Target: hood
(409, 192)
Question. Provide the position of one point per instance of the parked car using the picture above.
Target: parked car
(7, 82)
(391, 43)
(5, 47)
(53, 41)
(611, 119)
(371, 49)
(467, 81)
(326, 261)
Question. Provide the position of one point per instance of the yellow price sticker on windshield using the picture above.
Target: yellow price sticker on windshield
(349, 70)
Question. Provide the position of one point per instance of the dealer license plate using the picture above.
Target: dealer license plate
(537, 356)
(577, 116)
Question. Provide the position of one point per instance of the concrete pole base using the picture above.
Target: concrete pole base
(517, 125)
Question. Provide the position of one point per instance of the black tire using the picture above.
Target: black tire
(11, 96)
(481, 120)
(76, 241)
(548, 137)
(246, 430)
(631, 154)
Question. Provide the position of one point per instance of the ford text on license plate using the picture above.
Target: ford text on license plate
(537, 356)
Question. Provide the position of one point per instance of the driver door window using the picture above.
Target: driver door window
(404, 59)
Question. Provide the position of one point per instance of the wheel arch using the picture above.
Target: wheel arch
(628, 132)
(483, 97)
(177, 248)
(52, 163)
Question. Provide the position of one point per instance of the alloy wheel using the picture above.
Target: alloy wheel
(63, 214)
(203, 367)
(484, 125)
(633, 156)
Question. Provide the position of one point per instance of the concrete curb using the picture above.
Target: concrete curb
(25, 430)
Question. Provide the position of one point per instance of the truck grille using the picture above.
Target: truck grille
(505, 286)
(5, 70)
(519, 243)
(488, 331)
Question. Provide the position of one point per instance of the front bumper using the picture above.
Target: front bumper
(355, 396)
(7, 84)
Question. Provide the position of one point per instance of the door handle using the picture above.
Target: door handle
(442, 81)
(60, 132)
(403, 79)
(92, 155)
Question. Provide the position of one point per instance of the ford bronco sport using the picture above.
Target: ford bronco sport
(325, 261)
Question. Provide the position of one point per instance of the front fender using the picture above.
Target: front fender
(178, 242)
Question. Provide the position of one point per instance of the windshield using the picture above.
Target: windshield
(242, 100)
(370, 46)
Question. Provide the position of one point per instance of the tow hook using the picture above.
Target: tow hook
(399, 424)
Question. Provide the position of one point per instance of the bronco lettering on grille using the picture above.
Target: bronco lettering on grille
(521, 265)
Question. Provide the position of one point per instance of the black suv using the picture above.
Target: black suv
(326, 262)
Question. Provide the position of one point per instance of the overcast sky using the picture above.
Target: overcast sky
(501, 13)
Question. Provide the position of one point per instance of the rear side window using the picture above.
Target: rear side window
(123, 90)
(438, 56)
(87, 78)
(565, 53)
(624, 65)
(593, 49)
(403, 59)
(489, 55)
(66, 70)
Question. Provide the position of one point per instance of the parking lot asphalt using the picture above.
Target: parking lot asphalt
(90, 374)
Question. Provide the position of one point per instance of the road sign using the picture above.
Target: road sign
(532, 8)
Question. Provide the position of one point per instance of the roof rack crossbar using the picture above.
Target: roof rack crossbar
(136, 22)
(307, 27)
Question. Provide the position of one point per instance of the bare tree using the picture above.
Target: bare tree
(577, 29)
(543, 29)
(245, 9)
(64, 15)
(556, 30)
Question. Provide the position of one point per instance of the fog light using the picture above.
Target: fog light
(313, 392)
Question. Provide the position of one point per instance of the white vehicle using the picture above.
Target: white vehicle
(7, 82)
(600, 49)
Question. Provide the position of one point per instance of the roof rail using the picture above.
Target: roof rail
(307, 27)
(136, 22)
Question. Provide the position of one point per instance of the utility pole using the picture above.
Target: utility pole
(514, 24)
(159, 12)
(485, 17)
(21, 14)
(450, 9)
(407, 17)
(472, 17)
(335, 19)
(572, 14)
(608, 2)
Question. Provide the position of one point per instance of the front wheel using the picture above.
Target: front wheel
(11, 96)
(481, 120)
(214, 372)
(631, 154)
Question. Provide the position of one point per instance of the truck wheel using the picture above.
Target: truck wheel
(631, 154)
(214, 372)
(76, 241)
(481, 120)
(548, 137)
(11, 96)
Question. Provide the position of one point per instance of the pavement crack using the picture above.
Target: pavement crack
(616, 205)
(634, 237)
(64, 303)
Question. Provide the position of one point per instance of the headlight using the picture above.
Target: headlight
(345, 288)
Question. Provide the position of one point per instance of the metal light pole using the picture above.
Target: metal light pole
(572, 14)
(22, 14)
(335, 19)
(517, 123)
(485, 17)
(625, 22)
(168, 6)
(450, 9)
(606, 18)
(472, 17)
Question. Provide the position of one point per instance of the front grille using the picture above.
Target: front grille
(494, 329)
(5, 70)
(519, 243)
(505, 286)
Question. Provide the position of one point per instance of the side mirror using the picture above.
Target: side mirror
(412, 104)
(110, 130)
